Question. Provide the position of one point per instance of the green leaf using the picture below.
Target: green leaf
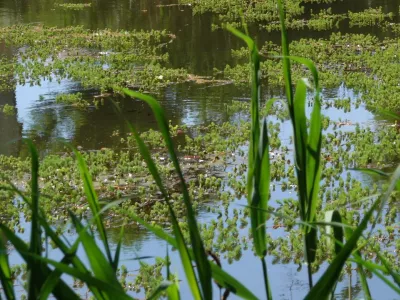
(157, 292)
(181, 246)
(338, 234)
(218, 274)
(35, 279)
(118, 250)
(101, 267)
(93, 202)
(331, 275)
(110, 289)
(61, 290)
(5, 271)
(348, 231)
(200, 256)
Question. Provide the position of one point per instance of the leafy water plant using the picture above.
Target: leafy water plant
(73, 6)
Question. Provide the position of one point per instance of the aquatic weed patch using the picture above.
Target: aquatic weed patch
(299, 16)
(102, 59)
(73, 6)
(361, 62)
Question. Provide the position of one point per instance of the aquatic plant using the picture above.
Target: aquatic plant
(73, 6)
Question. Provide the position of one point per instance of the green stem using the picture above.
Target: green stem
(310, 280)
(266, 283)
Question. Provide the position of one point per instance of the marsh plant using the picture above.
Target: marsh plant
(342, 236)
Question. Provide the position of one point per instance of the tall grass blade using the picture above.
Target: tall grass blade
(5, 271)
(54, 277)
(348, 231)
(200, 256)
(118, 250)
(223, 278)
(173, 289)
(331, 275)
(36, 278)
(373, 269)
(101, 267)
(105, 286)
(258, 179)
(157, 292)
(328, 280)
(93, 202)
(180, 243)
(58, 242)
(61, 290)
(338, 232)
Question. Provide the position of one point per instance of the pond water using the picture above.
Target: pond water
(199, 50)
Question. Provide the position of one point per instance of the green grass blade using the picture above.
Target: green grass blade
(255, 118)
(328, 280)
(61, 290)
(173, 292)
(348, 231)
(54, 277)
(258, 178)
(338, 232)
(286, 62)
(227, 281)
(373, 269)
(105, 286)
(157, 292)
(58, 241)
(118, 250)
(173, 289)
(200, 256)
(5, 271)
(101, 267)
(181, 246)
(300, 142)
(223, 278)
(386, 264)
(36, 278)
(93, 202)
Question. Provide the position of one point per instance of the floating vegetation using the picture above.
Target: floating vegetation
(73, 6)
(101, 59)
(73, 99)
(8, 110)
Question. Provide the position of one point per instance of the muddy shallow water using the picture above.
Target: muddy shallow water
(197, 49)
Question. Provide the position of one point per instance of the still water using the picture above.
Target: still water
(196, 48)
